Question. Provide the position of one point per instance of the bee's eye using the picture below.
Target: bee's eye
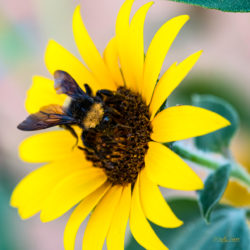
(106, 119)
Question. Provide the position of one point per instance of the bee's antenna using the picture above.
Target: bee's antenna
(88, 89)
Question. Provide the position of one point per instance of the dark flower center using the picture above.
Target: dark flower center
(118, 144)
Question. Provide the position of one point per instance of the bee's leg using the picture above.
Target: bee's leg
(85, 139)
(104, 92)
(72, 131)
(115, 116)
(81, 148)
(89, 140)
(113, 113)
(88, 89)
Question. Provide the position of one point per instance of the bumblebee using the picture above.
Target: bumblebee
(81, 109)
(113, 124)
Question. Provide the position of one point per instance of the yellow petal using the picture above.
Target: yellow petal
(112, 61)
(167, 169)
(58, 58)
(158, 97)
(42, 93)
(89, 52)
(30, 193)
(48, 146)
(137, 46)
(157, 51)
(80, 214)
(183, 122)
(116, 233)
(122, 38)
(71, 191)
(236, 194)
(170, 80)
(100, 220)
(140, 227)
(154, 205)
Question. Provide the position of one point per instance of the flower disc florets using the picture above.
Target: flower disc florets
(119, 143)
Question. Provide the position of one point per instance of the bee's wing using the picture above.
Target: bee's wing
(65, 84)
(48, 116)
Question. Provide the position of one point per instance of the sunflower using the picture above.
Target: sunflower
(120, 159)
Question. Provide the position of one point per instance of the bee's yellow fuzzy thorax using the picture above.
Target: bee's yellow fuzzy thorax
(94, 116)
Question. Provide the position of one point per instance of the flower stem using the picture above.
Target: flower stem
(237, 171)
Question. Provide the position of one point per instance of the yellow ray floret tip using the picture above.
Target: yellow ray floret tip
(157, 52)
(183, 122)
(50, 46)
(159, 162)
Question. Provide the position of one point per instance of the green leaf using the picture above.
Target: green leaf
(228, 229)
(9, 238)
(223, 5)
(214, 188)
(217, 141)
(11, 235)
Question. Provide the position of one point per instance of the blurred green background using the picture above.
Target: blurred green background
(25, 28)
